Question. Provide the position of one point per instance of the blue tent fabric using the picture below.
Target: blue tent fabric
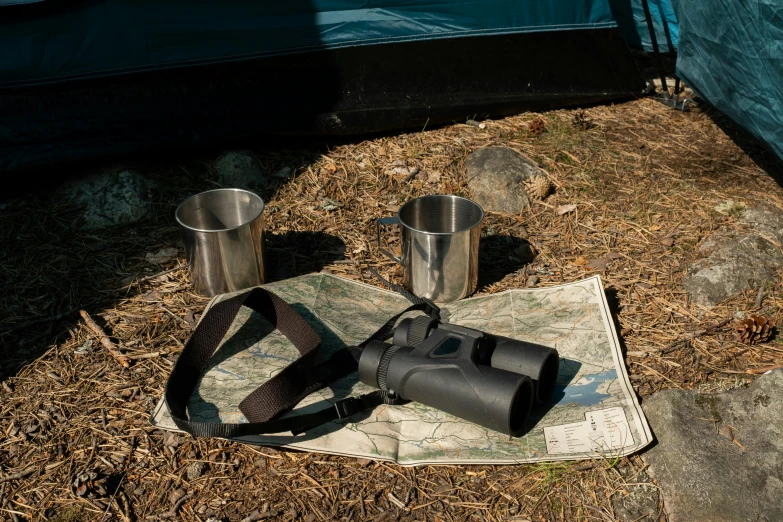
(633, 24)
(106, 37)
(731, 54)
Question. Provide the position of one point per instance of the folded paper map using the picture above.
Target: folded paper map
(593, 412)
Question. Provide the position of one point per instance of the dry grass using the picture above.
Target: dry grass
(644, 179)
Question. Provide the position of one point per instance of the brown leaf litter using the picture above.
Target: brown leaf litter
(635, 193)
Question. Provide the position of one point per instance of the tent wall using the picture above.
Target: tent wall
(342, 91)
(91, 80)
(633, 24)
(731, 54)
(80, 39)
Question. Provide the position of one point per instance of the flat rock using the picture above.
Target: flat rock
(495, 176)
(732, 263)
(110, 198)
(768, 221)
(709, 473)
(238, 169)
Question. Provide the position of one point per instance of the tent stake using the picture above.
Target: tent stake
(665, 98)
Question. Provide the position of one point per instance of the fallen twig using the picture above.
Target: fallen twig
(761, 371)
(412, 174)
(676, 344)
(104, 339)
(584, 466)
(397, 502)
(153, 276)
(760, 297)
(16, 476)
(173, 511)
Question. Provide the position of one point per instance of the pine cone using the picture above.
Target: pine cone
(582, 120)
(89, 484)
(537, 126)
(754, 329)
(538, 187)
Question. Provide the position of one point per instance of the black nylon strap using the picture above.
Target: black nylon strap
(286, 389)
(428, 306)
(280, 393)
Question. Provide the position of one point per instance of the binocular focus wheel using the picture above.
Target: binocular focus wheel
(413, 332)
(383, 366)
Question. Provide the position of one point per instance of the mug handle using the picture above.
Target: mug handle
(383, 222)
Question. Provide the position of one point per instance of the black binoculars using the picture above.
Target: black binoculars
(489, 380)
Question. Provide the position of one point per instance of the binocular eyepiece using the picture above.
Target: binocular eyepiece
(489, 380)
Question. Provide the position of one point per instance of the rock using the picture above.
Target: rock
(704, 475)
(161, 257)
(195, 470)
(284, 173)
(767, 221)
(110, 198)
(329, 204)
(735, 261)
(732, 263)
(496, 176)
(639, 502)
(729, 207)
(240, 170)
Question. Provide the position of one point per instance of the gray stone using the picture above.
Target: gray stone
(237, 169)
(705, 476)
(195, 470)
(640, 502)
(284, 173)
(110, 198)
(163, 256)
(495, 178)
(768, 221)
(732, 263)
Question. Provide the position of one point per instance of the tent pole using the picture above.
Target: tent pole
(654, 41)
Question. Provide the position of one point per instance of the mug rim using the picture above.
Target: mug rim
(194, 229)
(441, 196)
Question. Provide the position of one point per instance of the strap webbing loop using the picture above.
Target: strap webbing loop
(286, 389)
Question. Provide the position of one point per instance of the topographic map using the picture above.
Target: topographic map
(593, 412)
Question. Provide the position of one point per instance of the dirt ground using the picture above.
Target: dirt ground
(76, 443)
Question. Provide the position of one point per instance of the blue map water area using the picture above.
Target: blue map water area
(584, 392)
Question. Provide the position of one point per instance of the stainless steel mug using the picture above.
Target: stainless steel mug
(440, 246)
(224, 240)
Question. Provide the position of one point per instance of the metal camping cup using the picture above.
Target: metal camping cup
(224, 240)
(440, 246)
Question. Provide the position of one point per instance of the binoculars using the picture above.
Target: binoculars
(489, 380)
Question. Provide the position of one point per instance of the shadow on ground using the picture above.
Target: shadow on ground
(296, 253)
(501, 255)
(749, 144)
(50, 268)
